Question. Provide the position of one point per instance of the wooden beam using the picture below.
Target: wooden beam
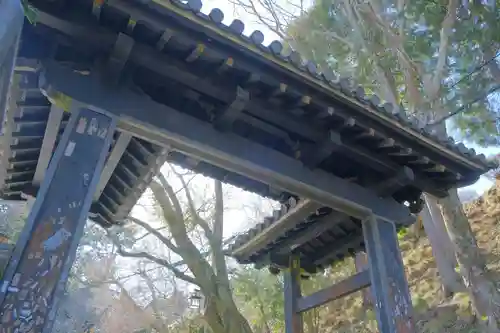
(282, 261)
(8, 127)
(402, 178)
(343, 288)
(278, 228)
(383, 188)
(228, 116)
(177, 71)
(48, 144)
(361, 265)
(293, 317)
(333, 251)
(12, 18)
(170, 128)
(118, 58)
(321, 151)
(112, 161)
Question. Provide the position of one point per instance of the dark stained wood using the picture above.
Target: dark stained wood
(145, 58)
(229, 115)
(313, 156)
(280, 226)
(293, 318)
(343, 288)
(308, 234)
(361, 263)
(389, 287)
(44, 254)
(247, 114)
(195, 137)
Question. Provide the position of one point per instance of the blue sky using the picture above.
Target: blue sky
(482, 184)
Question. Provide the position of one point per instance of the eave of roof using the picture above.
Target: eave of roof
(293, 64)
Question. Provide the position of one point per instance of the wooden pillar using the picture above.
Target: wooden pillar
(11, 22)
(47, 246)
(361, 264)
(442, 248)
(389, 287)
(293, 318)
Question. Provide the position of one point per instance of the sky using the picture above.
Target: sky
(231, 12)
(482, 184)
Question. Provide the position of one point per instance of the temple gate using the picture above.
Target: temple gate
(102, 93)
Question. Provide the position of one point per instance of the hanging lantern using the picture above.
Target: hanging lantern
(195, 299)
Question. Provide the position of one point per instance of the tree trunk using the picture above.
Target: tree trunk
(484, 295)
(228, 321)
(221, 312)
(442, 247)
(265, 324)
(361, 264)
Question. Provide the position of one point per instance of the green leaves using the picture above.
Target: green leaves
(259, 296)
(342, 35)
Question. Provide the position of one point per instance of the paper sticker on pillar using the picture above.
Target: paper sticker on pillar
(15, 280)
(70, 148)
(82, 124)
(92, 128)
(56, 240)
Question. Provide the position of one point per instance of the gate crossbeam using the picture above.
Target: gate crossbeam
(168, 127)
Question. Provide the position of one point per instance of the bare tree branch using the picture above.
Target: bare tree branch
(401, 6)
(274, 23)
(216, 243)
(148, 233)
(219, 213)
(171, 204)
(191, 255)
(410, 71)
(191, 206)
(168, 243)
(444, 43)
(178, 274)
(154, 294)
(490, 53)
(138, 308)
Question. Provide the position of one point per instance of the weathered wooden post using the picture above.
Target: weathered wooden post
(46, 248)
(442, 248)
(11, 22)
(5, 251)
(293, 318)
(389, 287)
(361, 264)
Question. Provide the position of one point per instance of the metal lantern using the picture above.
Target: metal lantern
(195, 299)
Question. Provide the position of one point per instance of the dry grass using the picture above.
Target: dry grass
(434, 313)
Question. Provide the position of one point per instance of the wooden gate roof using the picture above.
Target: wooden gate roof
(196, 64)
